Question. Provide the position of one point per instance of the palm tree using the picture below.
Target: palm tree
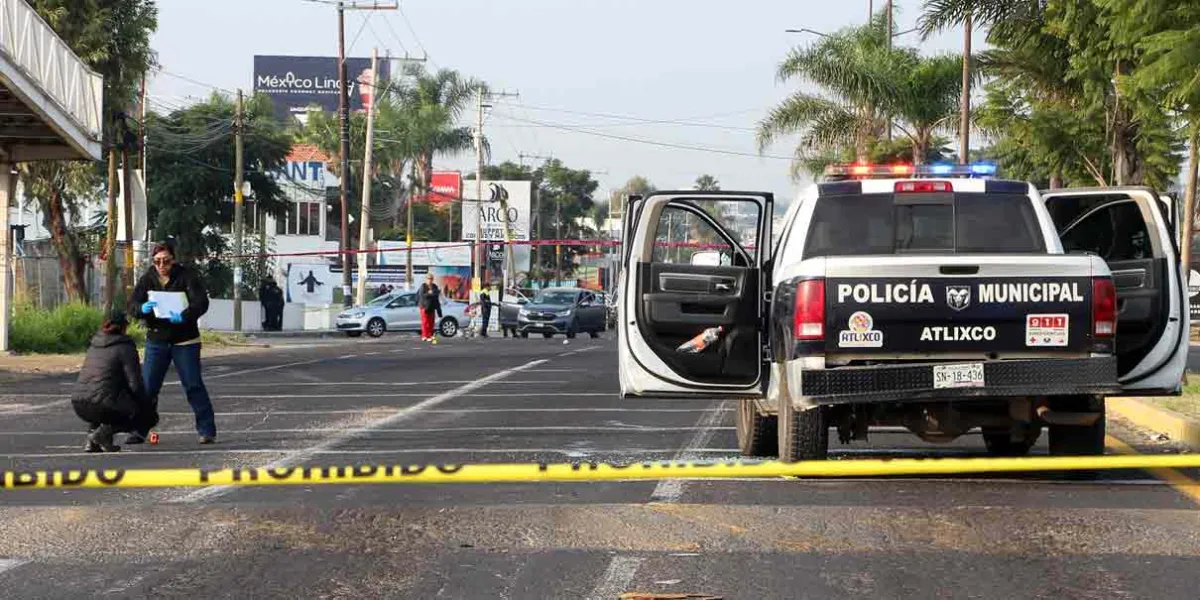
(929, 90)
(707, 182)
(850, 68)
(434, 103)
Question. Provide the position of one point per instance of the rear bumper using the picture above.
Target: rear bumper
(914, 382)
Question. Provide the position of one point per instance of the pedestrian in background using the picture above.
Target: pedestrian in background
(174, 339)
(110, 394)
(270, 295)
(485, 310)
(430, 302)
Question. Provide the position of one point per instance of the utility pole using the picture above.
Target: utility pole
(239, 128)
(127, 138)
(889, 47)
(361, 296)
(964, 123)
(535, 219)
(479, 250)
(344, 127)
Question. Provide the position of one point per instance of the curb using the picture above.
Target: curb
(267, 335)
(1144, 414)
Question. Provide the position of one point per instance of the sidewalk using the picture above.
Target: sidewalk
(266, 335)
(1156, 414)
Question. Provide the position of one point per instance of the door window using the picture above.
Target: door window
(405, 301)
(684, 237)
(1114, 232)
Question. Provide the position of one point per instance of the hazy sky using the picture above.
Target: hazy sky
(708, 63)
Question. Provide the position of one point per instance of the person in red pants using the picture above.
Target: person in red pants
(430, 302)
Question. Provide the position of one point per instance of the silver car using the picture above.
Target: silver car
(398, 311)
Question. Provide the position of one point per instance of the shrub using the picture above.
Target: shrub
(65, 329)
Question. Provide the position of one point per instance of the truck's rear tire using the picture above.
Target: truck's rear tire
(999, 442)
(803, 434)
(757, 433)
(1078, 440)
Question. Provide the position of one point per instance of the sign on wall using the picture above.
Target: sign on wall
(426, 254)
(516, 196)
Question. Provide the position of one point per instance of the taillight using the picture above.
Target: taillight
(1104, 307)
(809, 316)
(909, 187)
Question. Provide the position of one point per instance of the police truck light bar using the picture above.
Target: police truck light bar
(840, 172)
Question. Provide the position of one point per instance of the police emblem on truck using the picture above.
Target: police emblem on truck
(861, 333)
(958, 297)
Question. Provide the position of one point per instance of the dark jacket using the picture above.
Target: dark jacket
(270, 295)
(485, 303)
(430, 299)
(184, 280)
(109, 388)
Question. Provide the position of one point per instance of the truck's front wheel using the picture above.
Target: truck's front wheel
(803, 434)
(756, 432)
(1078, 440)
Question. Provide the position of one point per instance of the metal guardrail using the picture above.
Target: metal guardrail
(30, 44)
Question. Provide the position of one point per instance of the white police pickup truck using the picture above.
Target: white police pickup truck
(928, 297)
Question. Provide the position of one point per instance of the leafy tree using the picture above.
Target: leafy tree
(637, 185)
(192, 156)
(864, 86)
(432, 106)
(707, 183)
(113, 38)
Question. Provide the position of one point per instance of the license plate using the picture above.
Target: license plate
(958, 376)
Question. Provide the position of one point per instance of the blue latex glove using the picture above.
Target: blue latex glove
(148, 307)
(176, 318)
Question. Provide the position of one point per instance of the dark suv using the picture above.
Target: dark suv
(562, 310)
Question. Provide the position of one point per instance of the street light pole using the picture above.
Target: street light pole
(964, 124)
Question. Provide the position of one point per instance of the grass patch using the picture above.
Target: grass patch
(63, 330)
(1189, 403)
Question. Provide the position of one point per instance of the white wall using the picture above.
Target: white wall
(220, 316)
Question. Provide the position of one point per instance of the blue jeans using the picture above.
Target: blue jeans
(159, 356)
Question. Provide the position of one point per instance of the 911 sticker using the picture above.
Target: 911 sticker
(1046, 330)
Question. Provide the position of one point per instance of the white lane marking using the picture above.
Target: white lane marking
(298, 456)
(401, 395)
(554, 370)
(371, 428)
(372, 353)
(24, 410)
(8, 564)
(447, 411)
(298, 363)
(575, 453)
(616, 577)
(346, 356)
(386, 383)
(396, 351)
(669, 490)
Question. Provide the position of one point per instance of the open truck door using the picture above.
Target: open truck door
(1130, 229)
(666, 300)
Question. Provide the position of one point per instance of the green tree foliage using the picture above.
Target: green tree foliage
(192, 156)
(113, 38)
(864, 86)
(1058, 103)
(707, 183)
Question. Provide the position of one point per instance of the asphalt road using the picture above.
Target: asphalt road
(472, 400)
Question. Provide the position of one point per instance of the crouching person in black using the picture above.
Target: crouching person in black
(110, 395)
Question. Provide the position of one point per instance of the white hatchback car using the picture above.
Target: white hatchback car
(398, 311)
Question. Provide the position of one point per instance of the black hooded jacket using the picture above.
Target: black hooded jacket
(184, 280)
(111, 378)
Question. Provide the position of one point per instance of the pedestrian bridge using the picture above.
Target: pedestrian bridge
(50, 109)
(50, 101)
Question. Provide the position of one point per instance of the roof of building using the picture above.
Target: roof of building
(307, 153)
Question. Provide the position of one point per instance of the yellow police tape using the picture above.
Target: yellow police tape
(575, 471)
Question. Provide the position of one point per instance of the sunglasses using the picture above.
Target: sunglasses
(162, 262)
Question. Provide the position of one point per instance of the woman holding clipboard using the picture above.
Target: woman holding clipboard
(171, 298)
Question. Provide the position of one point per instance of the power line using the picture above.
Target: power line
(365, 22)
(407, 23)
(647, 142)
(194, 81)
(635, 120)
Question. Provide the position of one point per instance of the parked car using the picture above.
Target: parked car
(398, 312)
(562, 310)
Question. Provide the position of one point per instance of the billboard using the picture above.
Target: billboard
(444, 187)
(294, 83)
(425, 254)
(516, 195)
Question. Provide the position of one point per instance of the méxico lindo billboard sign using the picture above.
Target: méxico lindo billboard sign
(515, 195)
(294, 83)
